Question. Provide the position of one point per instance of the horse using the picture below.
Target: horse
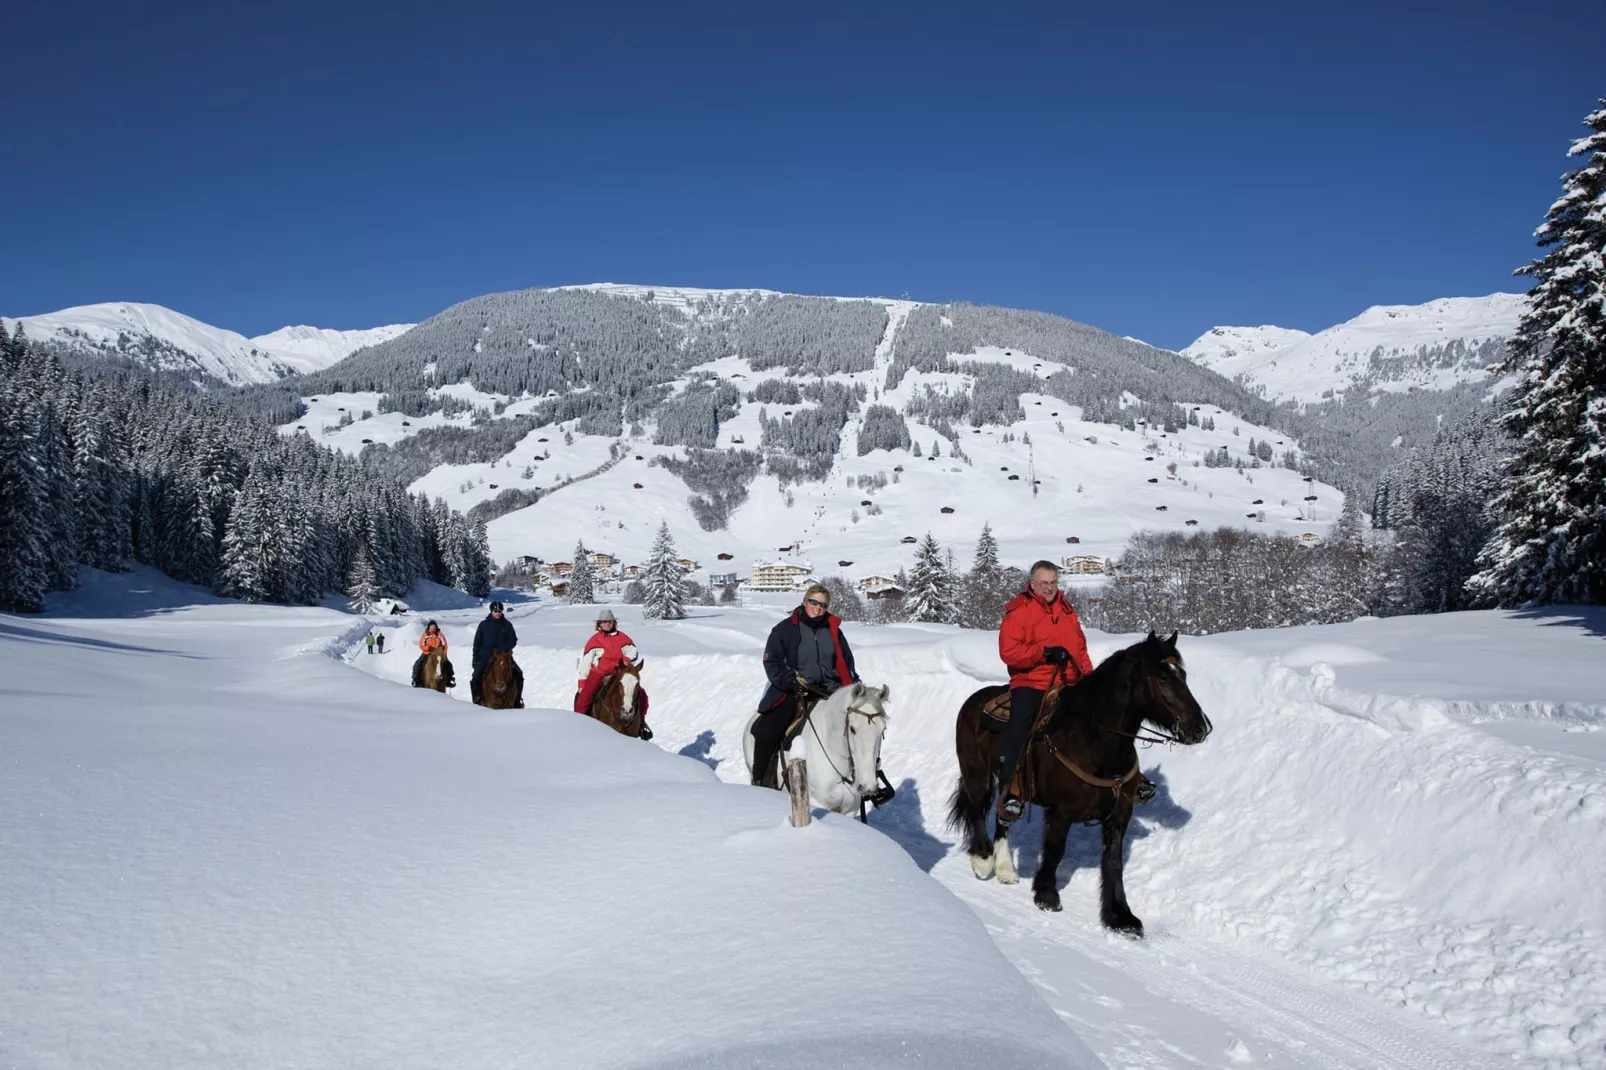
(842, 749)
(498, 687)
(1080, 766)
(433, 674)
(615, 704)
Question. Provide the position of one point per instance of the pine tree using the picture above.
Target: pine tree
(361, 585)
(251, 551)
(984, 594)
(582, 580)
(665, 580)
(25, 565)
(1552, 544)
(929, 595)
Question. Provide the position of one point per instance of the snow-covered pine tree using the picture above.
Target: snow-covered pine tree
(361, 585)
(1552, 544)
(25, 565)
(983, 592)
(479, 573)
(664, 579)
(929, 596)
(582, 580)
(251, 558)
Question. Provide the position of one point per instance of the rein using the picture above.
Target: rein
(851, 710)
(1158, 735)
(1115, 784)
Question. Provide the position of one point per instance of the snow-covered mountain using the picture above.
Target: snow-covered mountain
(1432, 346)
(312, 348)
(159, 338)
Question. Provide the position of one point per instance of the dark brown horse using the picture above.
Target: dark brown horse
(500, 687)
(1082, 767)
(617, 703)
(433, 675)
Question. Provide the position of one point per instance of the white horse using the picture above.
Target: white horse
(841, 744)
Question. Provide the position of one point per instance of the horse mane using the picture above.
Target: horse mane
(1077, 702)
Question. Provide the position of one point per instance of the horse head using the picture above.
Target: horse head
(1161, 690)
(866, 717)
(629, 678)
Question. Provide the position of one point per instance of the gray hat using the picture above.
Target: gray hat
(606, 614)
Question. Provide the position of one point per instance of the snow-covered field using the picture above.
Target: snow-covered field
(232, 850)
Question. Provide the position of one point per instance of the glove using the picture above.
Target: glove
(802, 684)
(1056, 655)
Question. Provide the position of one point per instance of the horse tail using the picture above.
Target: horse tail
(968, 815)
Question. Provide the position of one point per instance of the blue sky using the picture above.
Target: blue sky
(1154, 172)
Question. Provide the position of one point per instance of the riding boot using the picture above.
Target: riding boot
(1010, 803)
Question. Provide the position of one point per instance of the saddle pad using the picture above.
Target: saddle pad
(997, 707)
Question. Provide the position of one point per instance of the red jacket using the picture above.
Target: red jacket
(1030, 624)
(613, 652)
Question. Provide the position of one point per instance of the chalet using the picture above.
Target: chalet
(1154, 479)
(1191, 523)
(686, 564)
(867, 582)
(725, 557)
(630, 572)
(562, 568)
(1073, 539)
(947, 508)
(890, 592)
(635, 486)
(908, 540)
(1160, 508)
(843, 564)
(779, 575)
(527, 561)
(1083, 565)
(1017, 477)
(721, 579)
(737, 440)
(865, 502)
(602, 560)
(559, 588)
(1309, 538)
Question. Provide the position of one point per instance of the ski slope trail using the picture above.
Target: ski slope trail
(1388, 854)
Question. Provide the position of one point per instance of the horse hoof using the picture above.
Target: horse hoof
(1049, 904)
(1004, 865)
(1128, 926)
(981, 866)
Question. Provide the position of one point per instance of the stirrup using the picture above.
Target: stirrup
(1010, 808)
(1145, 791)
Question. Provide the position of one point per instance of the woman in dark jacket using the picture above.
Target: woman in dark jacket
(806, 654)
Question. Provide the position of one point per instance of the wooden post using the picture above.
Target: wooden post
(797, 785)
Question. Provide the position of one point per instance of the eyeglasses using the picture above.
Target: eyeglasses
(817, 603)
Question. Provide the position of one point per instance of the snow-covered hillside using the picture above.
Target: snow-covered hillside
(219, 846)
(159, 338)
(1388, 347)
(1388, 852)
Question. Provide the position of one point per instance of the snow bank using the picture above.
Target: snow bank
(1356, 840)
(219, 851)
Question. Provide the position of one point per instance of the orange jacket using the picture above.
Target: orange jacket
(430, 640)
(1030, 624)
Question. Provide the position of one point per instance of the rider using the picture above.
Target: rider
(1039, 639)
(806, 653)
(605, 651)
(495, 633)
(431, 641)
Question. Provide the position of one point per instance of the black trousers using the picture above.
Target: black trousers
(1024, 702)
(768, 733)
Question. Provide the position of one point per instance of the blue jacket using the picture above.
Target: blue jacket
(780, 658)
(493, 635)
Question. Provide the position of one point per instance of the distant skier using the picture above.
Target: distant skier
(1039, 640)
(380, 642)
(807, 656)
(494, 634)
(605, 651)
(370, 642)
(431, 641)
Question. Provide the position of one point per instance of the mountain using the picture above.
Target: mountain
(826, 430)
(312, 348)
(1387, 348)
(160, 339)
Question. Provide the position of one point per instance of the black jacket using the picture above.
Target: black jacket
(780, 657)
(493, 635)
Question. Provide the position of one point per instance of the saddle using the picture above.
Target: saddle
(996, 715)
(996, 709)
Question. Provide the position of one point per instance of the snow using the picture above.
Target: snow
(309, 349)
(202, 348)
(1292, 365)
(231, 850)
(1387, 855)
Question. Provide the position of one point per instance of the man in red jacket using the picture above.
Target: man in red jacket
(1039, 639)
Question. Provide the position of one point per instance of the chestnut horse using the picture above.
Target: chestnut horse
(1082, 766)
(433, 675)
(500, 687)
(615, 704)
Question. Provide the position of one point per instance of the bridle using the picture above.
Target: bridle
(1159, 735)
(847, 779)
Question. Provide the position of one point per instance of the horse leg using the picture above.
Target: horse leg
(1003, 864)
(1112, 888)
(1045, 886)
